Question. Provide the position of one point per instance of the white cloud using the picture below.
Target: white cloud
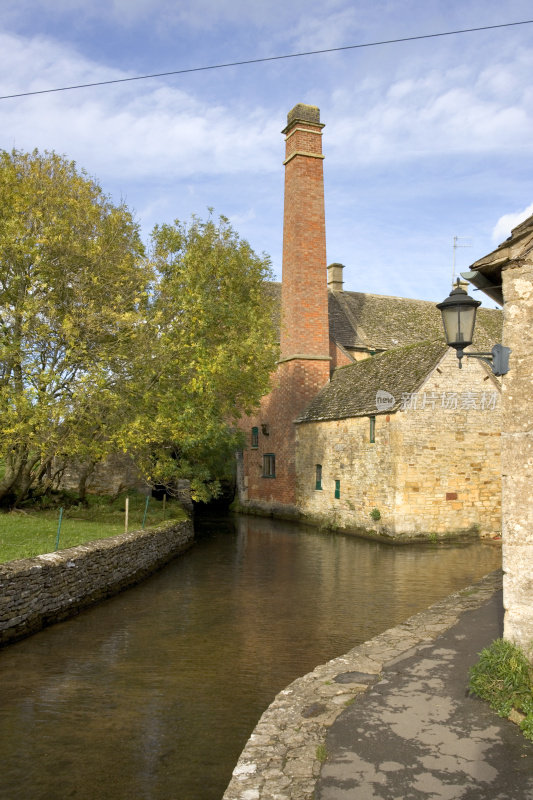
(507, 222)
(440, 112)
(134, 130)
(328, 29)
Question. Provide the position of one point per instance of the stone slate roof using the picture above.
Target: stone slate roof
(519, 245)
(377, 322)
(352, 389)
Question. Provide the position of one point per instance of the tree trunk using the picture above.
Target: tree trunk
(13, 468)
(85, 473)
(26, 479)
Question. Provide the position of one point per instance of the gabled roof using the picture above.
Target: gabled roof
(352, 389)
(376, 322)
(486, 273)
(379, 322)
(518, 245)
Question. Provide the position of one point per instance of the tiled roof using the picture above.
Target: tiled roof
(352, 390)
(518, 246)
(378, 322)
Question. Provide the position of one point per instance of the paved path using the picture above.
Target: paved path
(393, 717)
(417, 735)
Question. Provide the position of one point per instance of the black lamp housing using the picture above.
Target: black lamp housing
(459, 319)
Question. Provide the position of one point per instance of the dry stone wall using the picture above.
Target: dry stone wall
(115, 474)
(35, 592)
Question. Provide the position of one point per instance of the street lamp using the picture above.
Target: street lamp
(459, 318)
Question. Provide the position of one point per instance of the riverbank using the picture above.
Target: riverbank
(289, 753)
(36, 592)
(61, 520)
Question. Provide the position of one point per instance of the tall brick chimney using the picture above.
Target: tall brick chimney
(305, 331)
(304, 365)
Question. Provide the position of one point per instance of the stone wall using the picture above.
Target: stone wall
(517, 454)
(432, 470)
(115, 474)
(35, 592)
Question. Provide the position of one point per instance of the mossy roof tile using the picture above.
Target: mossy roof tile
(352, 390)
(377, 322)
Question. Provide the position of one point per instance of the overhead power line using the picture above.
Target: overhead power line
(267, 58)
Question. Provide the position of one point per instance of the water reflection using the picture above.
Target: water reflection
(153, 694)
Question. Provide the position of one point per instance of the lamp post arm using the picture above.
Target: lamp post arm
(486, 357)
(497, 359)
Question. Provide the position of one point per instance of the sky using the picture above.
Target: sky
(424, 141)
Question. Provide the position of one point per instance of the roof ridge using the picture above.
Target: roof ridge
(389, 297)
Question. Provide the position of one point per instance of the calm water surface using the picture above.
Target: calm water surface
(153, 694)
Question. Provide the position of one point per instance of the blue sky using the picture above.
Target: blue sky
(424, 140)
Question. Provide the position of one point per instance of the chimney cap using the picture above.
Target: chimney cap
(303, 113)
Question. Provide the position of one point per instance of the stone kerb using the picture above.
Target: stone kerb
(35, 592)
(283, 757)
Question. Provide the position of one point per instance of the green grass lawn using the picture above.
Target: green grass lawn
(32, 532)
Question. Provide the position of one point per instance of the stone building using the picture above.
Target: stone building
(319, 448)
(425, 466)
(506, 275)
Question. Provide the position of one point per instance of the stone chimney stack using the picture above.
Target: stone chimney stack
(335, 281)
(305, 330)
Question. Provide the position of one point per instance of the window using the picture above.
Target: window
(337, 490)
(255, 437)
(372, 430)
(318, 481)
(269, 465)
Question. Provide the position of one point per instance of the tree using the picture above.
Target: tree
(213, 349)
(103, 347)
(73, 295)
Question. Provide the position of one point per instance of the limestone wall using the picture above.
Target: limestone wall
(449, 458)
(517, 454)
(366, 472)
(434, 467)
(115, 474)
(35, 592)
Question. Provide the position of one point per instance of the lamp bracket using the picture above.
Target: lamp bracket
(497, 359)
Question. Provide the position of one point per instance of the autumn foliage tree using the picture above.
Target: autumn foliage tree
(73, 286)
(104, 347)
(213, 350)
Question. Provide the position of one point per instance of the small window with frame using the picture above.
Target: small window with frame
(318, 476)
(255, 437)
(372, 430)
(269, 465)
(337, 490)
